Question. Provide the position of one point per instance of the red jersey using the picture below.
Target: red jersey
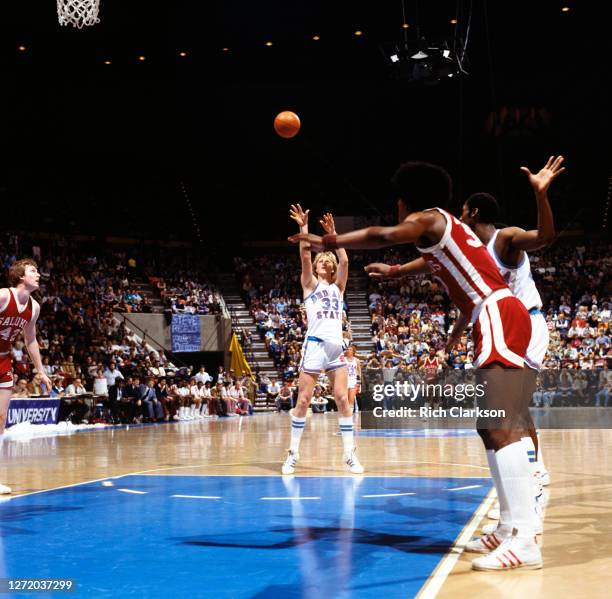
(431, 365)
(12, 321)
(463, 265)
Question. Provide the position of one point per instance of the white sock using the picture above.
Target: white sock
(534, 469)
(192, 410)
(297, 428)
(531, 453)
(517, 484)
(539, 455)
(504, 513)
(346, 428)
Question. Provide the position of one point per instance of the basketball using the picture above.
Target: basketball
(287, 124)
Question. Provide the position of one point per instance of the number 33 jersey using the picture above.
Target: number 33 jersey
(324, 313)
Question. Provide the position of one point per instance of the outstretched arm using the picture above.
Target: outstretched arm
(378, 270)
(371, 238)
(544, 235)
(327, 222)
(301, 218)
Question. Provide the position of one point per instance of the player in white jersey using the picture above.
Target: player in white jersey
(323, 284)
(354, 375)
(509, 247)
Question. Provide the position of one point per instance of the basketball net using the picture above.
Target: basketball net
(78, 13)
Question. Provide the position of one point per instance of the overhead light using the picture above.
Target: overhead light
(446, 53)
(316, 38)
(453, 21)
(358, 32)
(419, 55)
(141, 58)
(182, 54)
(225, 49)
(107, 62)
(21, 48)
(565, 9)
(269, 44)
(394, 58)
(405, 26)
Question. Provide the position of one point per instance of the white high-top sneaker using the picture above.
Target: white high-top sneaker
(513, 552)
(4, 490)
(290, 462)
(488, 542)
(352, 461)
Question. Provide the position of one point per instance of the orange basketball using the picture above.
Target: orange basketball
(287, 124)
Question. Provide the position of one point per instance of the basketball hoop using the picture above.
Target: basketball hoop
(78, 13)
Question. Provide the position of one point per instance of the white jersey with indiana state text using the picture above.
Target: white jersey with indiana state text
(324, 313)
(519, 278)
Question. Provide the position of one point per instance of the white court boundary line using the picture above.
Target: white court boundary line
(305, 475)
(389, 495)
(85, 482)
(434, 583)
(196, 496)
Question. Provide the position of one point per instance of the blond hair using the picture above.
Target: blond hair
(329, 255)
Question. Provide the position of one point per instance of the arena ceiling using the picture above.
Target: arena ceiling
(102, 139)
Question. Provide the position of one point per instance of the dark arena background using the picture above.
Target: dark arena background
(143, 173)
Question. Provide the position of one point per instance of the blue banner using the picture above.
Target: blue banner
(186, 333)
(36, 411)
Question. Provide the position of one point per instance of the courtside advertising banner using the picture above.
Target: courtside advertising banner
(36, 411)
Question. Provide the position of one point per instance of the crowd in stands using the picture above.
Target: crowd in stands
(185, 295)
(412, 317)
(88, 352)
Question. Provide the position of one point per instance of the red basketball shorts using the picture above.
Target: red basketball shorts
(6, 371)
(502, 331)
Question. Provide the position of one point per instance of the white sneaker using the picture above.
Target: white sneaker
(4, 490)
(290, 462)
(513, 552)
(493, 513)
(352, 461)
(487, 542)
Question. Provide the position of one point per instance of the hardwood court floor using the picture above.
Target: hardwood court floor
(577, 542)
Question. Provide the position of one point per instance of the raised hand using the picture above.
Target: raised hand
(298, 215)
(541, 181)
(327, 222)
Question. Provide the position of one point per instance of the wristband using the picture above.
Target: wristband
(394, 270)
(330, 241)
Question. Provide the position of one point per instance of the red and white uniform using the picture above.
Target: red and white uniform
(521, 283)
(12, 322)
(431, 366)
(463, 265)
